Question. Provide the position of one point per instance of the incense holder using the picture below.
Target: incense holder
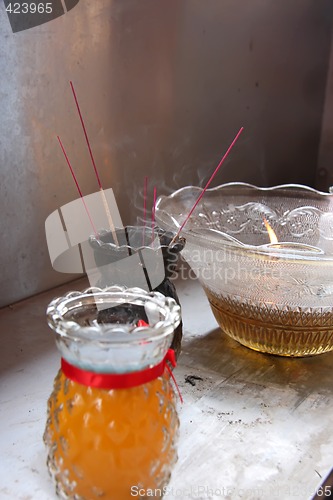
(143, 256)
(272, 295)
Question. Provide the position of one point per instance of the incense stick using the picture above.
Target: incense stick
(106, 206)
(145, 188)
(207, 185)
(86, 135)
(77, 184)
(153, 216)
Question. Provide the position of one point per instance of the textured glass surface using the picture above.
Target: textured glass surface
(265, 327)
(112, 347)
(103, 442)
(273, 297)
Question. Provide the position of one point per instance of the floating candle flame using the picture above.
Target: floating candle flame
(271, 233)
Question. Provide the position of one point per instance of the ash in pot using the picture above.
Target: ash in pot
(123, 314)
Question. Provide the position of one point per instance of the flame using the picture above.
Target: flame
(271, 234)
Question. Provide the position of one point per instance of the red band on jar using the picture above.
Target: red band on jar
(116, 380)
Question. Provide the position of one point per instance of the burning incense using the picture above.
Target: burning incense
(207, 185)
(77, 184)
(112, 227)
(153, 216)
(144, 209)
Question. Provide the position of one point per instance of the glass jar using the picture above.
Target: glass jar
(112, 423)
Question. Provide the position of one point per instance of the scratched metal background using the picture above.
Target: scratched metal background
(164, 86)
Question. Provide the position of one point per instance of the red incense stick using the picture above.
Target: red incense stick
(145, 188)
(77, 184)
(86, 135)
(208, 183)
(153, 215)
(112, 227)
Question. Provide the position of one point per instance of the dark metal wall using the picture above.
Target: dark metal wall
(164, 86)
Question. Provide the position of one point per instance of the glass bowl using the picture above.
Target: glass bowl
(274, 296)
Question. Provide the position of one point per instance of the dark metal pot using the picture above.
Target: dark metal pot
(137, 241)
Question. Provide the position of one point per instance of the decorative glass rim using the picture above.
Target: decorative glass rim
(98, 244)
(112, 334)
(168, 221)
(302, 187)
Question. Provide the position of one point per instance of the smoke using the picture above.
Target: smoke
(165, 185)
(169, 169)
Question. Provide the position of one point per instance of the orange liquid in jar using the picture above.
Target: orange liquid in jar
(103, 442)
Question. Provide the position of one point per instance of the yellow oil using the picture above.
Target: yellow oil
(283, 331)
